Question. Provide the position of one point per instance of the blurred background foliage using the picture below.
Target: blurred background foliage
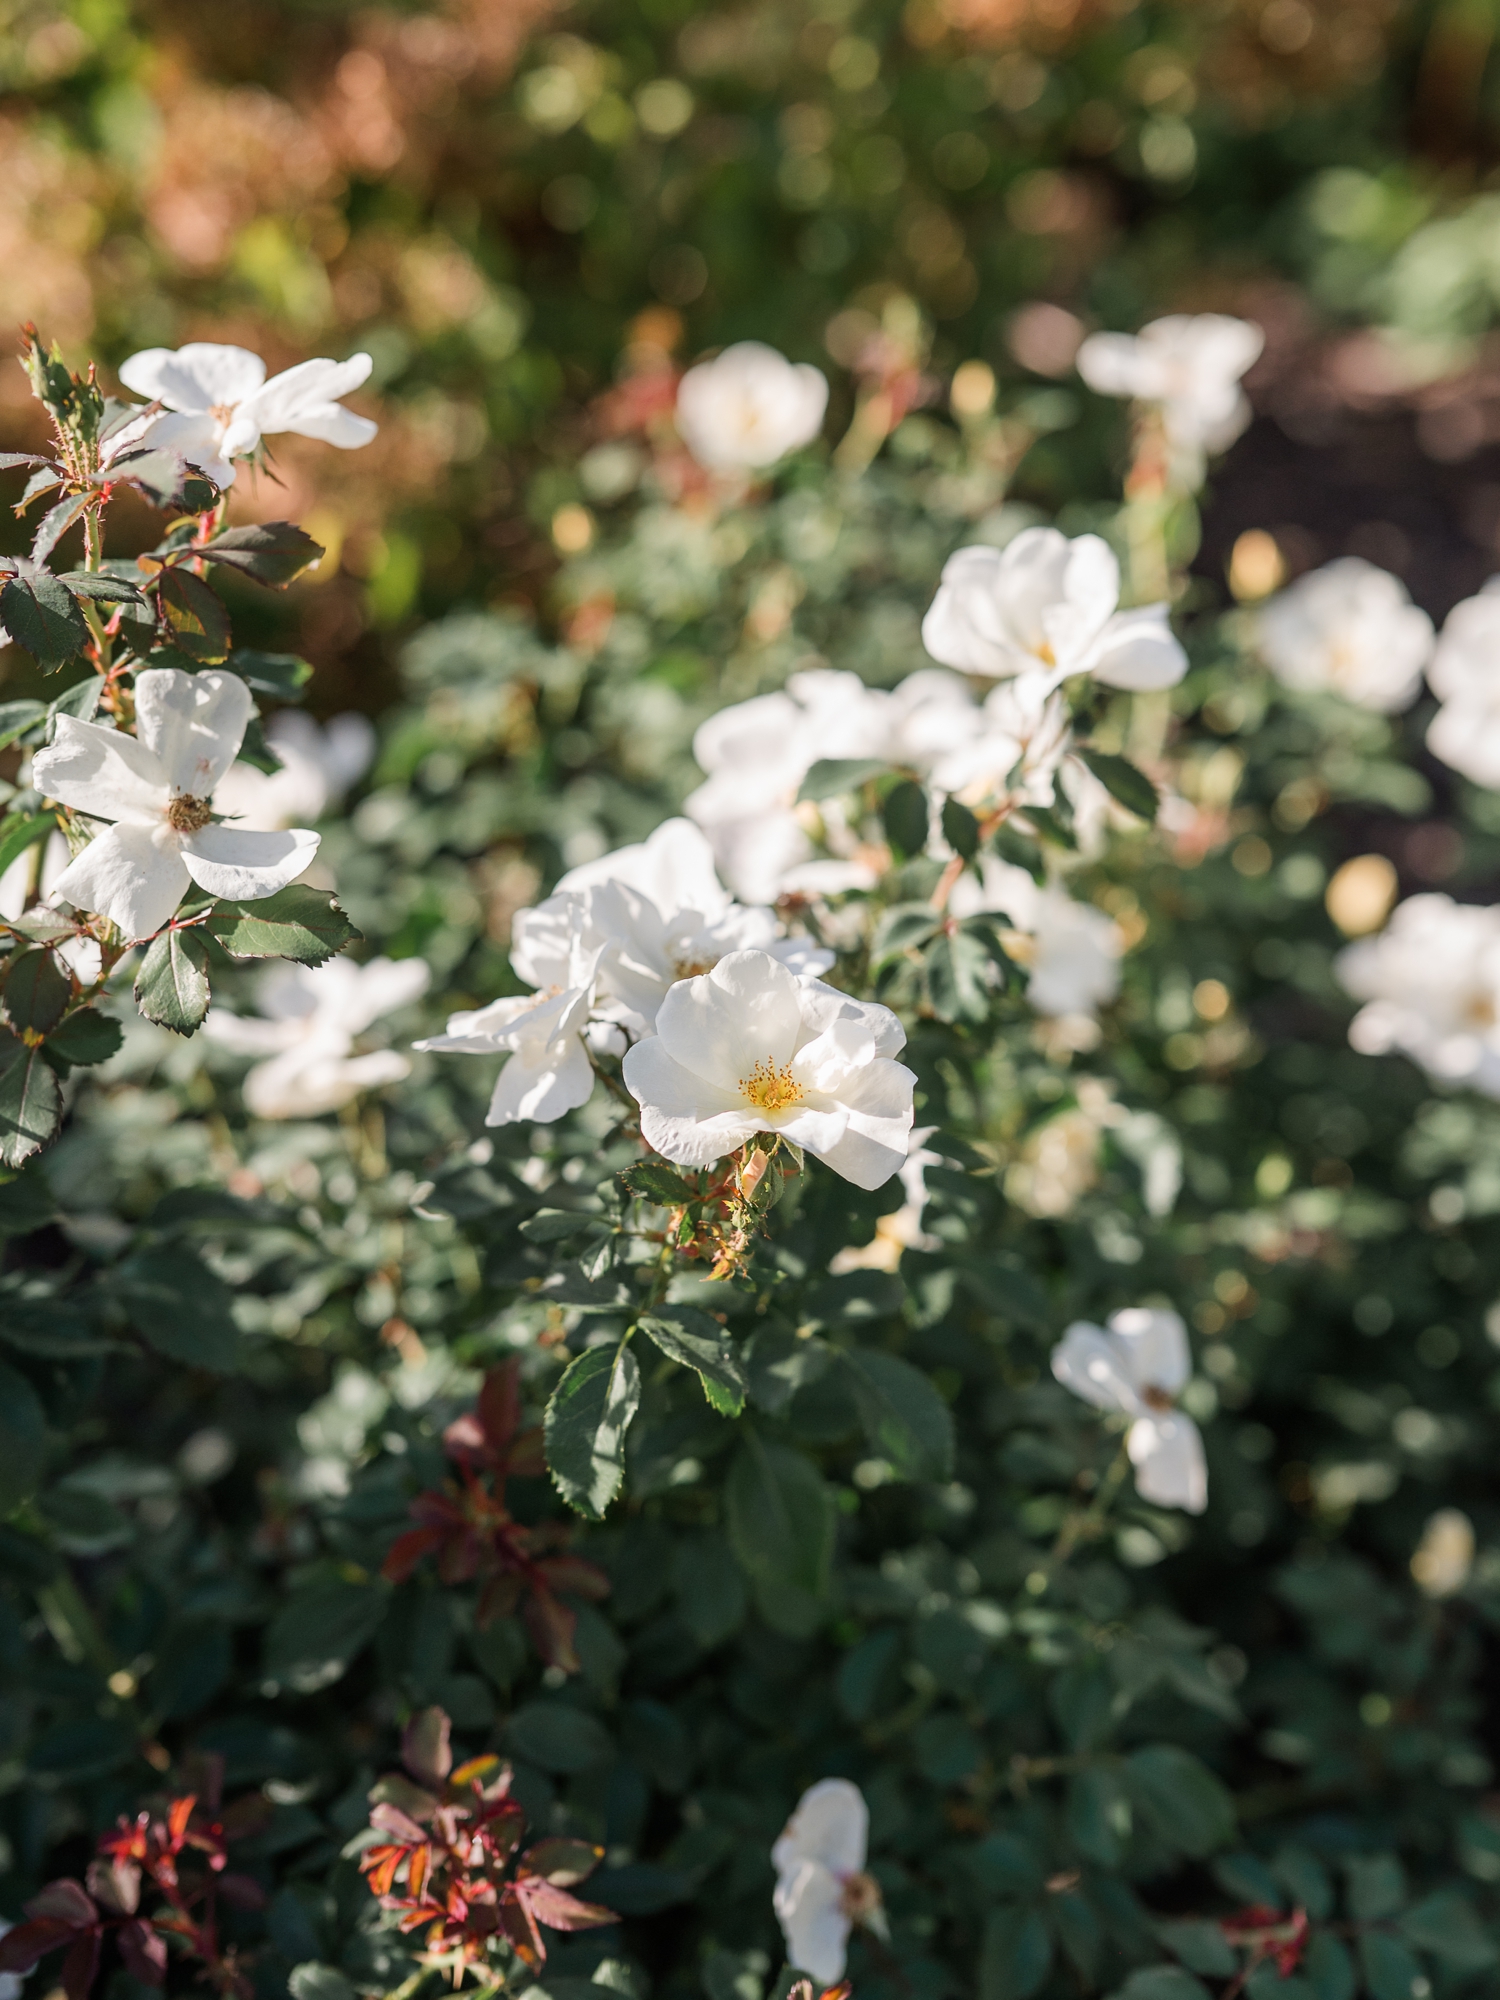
(526, 213)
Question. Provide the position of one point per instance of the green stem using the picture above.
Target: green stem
(1084, 1522)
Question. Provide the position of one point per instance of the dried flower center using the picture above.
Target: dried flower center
(1156, 1399)
(771, 1089)
(692, 968)
(185, 814)
(861, 1897)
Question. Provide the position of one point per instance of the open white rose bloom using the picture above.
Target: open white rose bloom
(749, 407)
(157, 787)
(1139, 1363)
(749, 1048)
(1431, 986)
(1465, 676)
(1348, 629)
(310, 1020)
(1189, 365)
(218, 404)
(1050, 606)
(822, 1890)
(318, 765)
(1072, 951)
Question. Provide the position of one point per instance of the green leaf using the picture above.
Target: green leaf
(1124, 781)
(85, 1037)
(1391, 1971)
(30, 1102)
(1098, 1815)
(80, 700)
(905, 1420)
(171, 987)
(40, 614)
(1189, 1810)
(313, 1981)
(1377, 1887)
(297, 922)
(586, 1422)
(655, 1182)
(167, 478)
(558, 1737)
(1329, 1968)
(281, 674)
(1016, 1955)
(16, 717)
(23, 1438)
(270, 551)
(194, 614)
(906, 817)
(780, 1517)
(832, 776)
(1161, 1982)
(958, 981)
(698, 1342)
(960, 829)
(55, 523)
(1201, 1945)
(315, 1636)
(22, 830)
(104, 586)
(1448, 1925)
(36, 992)
(708, 1586)
(902, 928)
(556, 1225)
(180, 1307)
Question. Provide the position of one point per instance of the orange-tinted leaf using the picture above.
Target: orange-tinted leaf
(519, 1926)
(178, 1814)
(475, 1769)
(576, 1574)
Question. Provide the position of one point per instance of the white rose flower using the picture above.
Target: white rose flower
(318, 765)
(749, 407)
(1431, 984)
(156, 786)
(1013, 749)
(1348, 629)
(542, 1034)
(748, 1048)
(1139, 1363)
(221, 405)
(1465, 675)
(312, 1016)
(1071, 950)
(1189, 366)
(822, 1889)
(1048, 606)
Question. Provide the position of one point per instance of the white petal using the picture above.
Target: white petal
(809, 1906)
(196, 377)
(544, 1086)
(683, 1117)
(311, 391)
(193, 724)
(1167, 1453)
(878, 1101)
(232, 861)
(101, 772)
(378, 988)
(1112, 365)
(1138, 650)
(200, 440)
(130, 874)
(720, 1025)
(831, 1825)
(245, 1035)
(674, 869)
(1088, 1362)
(296, 1086)
(1153, 1343)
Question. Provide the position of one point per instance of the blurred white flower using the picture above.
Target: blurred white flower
(1445, 1555)
(658, 913)
(749, 407)
(219, 404)
(157, 786)
(1431, 984)
(748, 1048)
(1071, 950)
(1348, 629)
(318, 765)
(310, 1019)
(1139, 1363)
(1465, 676)
(541, 1034)
(902, 1228)
(1049, 606)
(12, 1984)
(822, 1889)
(1012, 748)
(1189, 366)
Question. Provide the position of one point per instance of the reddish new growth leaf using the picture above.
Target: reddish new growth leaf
(180, 1846)
(446, 1860)
(1267, 1934)
(467, 1526)
(803, 1990)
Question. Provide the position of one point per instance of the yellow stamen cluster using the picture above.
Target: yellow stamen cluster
(771, 1089)
(692, 968)
(185, 814)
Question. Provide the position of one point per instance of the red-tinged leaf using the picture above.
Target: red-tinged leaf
(396, 1789)
(576, 1574)
(520, 1927)
(178, 1814)
(381, 1864)
(391, 1819)
(500, 1597)
(427, 1746)
(115, 1886)
(559, 1910)
(476, 1768)
(66, 1900)
(552, 1625)
(459, 1560)
(416, 1874)
(563, 1863)
(144, 1951)
(23, 1945)
(408, 1550)
(500, 1403)
(80, 1966)
(242, 1892)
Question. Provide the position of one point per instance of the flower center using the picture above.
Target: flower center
(1045, 654)
(222, 414)
(692, 968)
(771, 1089)
(860, 1898)
(1156, 1399)
(1479, 1012)
(185, 814)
